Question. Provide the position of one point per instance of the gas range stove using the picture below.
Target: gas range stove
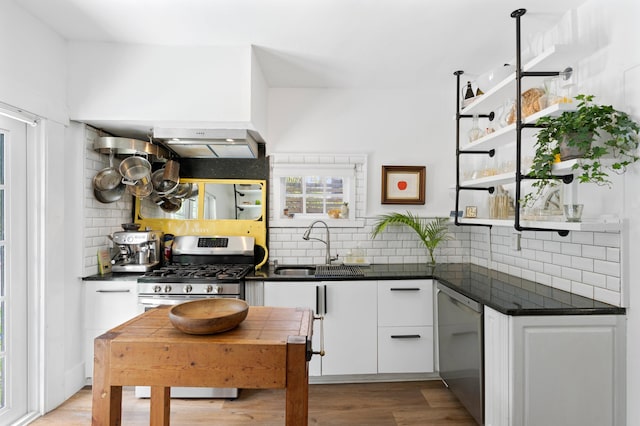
(202, 266)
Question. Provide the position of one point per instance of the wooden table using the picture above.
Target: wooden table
(267, 350)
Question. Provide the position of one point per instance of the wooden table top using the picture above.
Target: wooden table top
(263, 326)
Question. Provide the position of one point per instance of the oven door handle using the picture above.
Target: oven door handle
(158, 302)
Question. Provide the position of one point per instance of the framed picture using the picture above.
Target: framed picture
(403, 184)
(471, 211)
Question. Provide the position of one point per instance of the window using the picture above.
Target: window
(313, 194)
(312, 191)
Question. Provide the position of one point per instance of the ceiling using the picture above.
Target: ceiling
(370, 44)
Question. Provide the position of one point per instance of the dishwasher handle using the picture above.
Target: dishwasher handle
(470, 303)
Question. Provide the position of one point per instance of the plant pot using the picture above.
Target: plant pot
(568, 152)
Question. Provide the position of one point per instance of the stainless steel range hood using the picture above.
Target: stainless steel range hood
(209, 143)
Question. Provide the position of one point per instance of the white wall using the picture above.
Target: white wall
(33, 75)
(393, 127)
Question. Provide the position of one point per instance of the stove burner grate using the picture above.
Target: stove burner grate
(200, 271)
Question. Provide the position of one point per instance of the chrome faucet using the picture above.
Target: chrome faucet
(305, 236)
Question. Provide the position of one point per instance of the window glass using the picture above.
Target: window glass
(313, 194)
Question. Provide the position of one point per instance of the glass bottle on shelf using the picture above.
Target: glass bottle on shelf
(475, 132)
(468, 94)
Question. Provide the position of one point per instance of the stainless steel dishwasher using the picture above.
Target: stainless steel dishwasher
(460, 344)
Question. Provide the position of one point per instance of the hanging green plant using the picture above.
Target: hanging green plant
(591, 133)
(431, 233)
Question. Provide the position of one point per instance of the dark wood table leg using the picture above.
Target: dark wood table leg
(297, 405)
(160, 405)
(107, 399)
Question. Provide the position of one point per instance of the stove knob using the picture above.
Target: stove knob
(157, 289)
(167, 288)
(218, 289)
(188, 288)
(209, 288)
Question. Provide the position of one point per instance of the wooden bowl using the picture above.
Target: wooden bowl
(208, 316)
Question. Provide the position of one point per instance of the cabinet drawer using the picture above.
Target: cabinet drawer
(405, 349)
(405, 303)
(109, 304)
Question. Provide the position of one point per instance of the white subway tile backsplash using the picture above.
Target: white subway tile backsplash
(582, 289)
(613, 283)
(596, 280)
(528, 275)
(543, 278)
(562, 260)
(613, 254)
(582, 263)
(543, 256)
(571, 274)
(607, 296)
(571, 249)
(582, 237)
(607, 239)
(552, 246)
(594, 252)
(561, 283)
(553, 270)
(606, 268)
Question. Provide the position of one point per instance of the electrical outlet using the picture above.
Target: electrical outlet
(515, 241)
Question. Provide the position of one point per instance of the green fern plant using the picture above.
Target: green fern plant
(431, 233)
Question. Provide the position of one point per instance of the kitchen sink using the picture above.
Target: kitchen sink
(296, 270)
(319, 271)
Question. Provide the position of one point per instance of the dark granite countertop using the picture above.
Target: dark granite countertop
(516, 296)
(114, 276)
(505, 293)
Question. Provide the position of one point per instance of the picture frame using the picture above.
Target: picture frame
(403, 184)
(471, 211)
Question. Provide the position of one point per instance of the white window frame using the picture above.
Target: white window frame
(281, 170)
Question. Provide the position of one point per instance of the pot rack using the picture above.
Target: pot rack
(126, 146)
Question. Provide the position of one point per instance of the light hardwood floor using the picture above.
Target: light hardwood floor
(385, 404)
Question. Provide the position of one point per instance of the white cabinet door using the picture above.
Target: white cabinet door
(568, 370)
(405, 303)
(351, 331)
(554, 370)
(107, 304)
(497, 368)
(350, 321)
(405, 349)
(300, 294)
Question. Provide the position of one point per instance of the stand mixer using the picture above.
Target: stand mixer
(138, 251)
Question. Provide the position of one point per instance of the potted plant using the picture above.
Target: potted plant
(431, 233)
(591, 133)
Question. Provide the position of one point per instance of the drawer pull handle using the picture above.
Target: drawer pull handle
(405, 336)
(113, 291)
(405, 289)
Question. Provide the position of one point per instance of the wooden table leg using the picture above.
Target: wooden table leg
(107, 399)
(297, 405)
(160, 405)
